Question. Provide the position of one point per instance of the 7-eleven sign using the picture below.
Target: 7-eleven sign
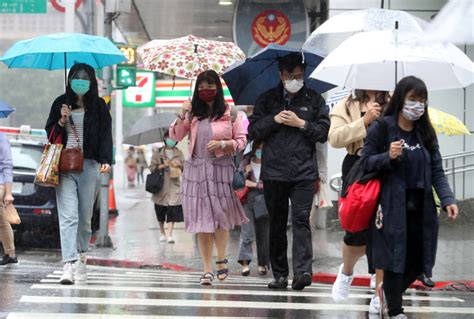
(143, 94)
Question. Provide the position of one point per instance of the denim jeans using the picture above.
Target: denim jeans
(75, 196)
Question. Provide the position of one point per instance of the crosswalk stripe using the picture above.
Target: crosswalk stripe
(217, 291)
(26, 315)
(230, 304)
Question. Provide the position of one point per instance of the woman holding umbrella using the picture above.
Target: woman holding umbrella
(80, 118)
(210, 205)
(407, 154)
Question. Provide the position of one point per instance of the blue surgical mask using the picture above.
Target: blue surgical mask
(80, 87)
(258, 153)
(170, 143)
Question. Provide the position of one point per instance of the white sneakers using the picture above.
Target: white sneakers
(74, 272)
(67, 278)
(341, 287)
(170, 240)
(81, 268)
(374, 306)
(162, 238)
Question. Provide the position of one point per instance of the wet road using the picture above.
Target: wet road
(30, 290)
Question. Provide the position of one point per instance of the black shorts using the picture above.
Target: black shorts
(170, 214)
(356, 239)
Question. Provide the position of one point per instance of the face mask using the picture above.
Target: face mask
(258, 153)
(293, 86)
(170, 143)
(413, 110)
(207, 95)
(80, 87)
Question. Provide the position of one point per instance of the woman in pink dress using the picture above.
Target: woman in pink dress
(211, 208)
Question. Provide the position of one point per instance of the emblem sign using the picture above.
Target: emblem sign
(259, 23)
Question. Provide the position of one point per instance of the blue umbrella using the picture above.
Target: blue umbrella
(5, 110)
(62, 51)
(249, 78)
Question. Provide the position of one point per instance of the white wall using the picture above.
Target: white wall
(451, 101)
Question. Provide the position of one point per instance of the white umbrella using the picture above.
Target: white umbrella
(454, 23)
(338, 28)
(377, 60)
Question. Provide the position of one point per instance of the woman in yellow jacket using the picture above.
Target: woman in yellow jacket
(350, 120)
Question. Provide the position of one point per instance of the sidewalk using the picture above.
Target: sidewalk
(135, 236)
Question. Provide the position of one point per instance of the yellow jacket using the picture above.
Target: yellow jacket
(347, 130)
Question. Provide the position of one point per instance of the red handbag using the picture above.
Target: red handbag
(358, 206)
(242, 194)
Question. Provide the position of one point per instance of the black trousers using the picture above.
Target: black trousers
(394, 284)
(276, 199)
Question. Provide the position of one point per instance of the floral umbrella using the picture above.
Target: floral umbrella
(188, 56)
(447, 124)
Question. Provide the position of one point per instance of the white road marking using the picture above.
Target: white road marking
(230, 304)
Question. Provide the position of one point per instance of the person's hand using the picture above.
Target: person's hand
(452, 211)
(291, 119)
(65, 113)
(175, 163)
(396, 149)
(250, 184)
(373, 112)
(8, 199)
(278, 118)
(213, 145)
(186, 108)
(105, 168)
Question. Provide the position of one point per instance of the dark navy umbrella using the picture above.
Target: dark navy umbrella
(249, 78)
(5, 110)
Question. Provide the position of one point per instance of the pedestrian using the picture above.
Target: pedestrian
(141, 166)
(168, 200)
(81, 117)
(350, 120)
(210, 205)
(6, 198)
(256, 212)
(131, 164)
(290, 119)
(405, 231)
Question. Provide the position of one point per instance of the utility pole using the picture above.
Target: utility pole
(69, 15)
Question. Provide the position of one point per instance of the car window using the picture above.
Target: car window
(25, 156)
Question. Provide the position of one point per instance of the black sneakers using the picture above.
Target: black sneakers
(280, 283)
(7, 260)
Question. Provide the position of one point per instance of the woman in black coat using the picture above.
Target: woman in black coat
(406, 153)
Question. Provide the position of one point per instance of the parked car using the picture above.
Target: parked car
(35, 204)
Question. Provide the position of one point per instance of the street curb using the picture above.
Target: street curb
(364, 281)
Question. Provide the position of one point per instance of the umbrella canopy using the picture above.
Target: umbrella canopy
(5, 110)
(248, 79)
(446, 124)
(188, 56)
(339, 27)
(377, 60)
(453, 23)
(150, 129)
(62, 50)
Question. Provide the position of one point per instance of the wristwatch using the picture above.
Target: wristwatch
(305, 126)
(223, 144)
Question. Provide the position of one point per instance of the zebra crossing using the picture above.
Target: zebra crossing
(117, 293)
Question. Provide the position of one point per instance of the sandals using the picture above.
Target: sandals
(206, 279)
(223, 273)
(245, 270)
(262, 270)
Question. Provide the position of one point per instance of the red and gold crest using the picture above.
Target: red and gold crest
(271, 26)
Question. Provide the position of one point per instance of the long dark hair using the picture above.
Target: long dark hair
(91, 96)
(200, 109)
(361, 96)
(423, 124)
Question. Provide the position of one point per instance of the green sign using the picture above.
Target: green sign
(23, 6)
(143, 94)
(126, 76)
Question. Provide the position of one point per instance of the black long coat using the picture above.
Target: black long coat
(390, 242)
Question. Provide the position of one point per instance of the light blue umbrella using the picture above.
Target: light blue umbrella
(62, 51)
(249, 78)
(5, 110)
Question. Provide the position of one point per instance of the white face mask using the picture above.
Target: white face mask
(293, 86)
(413, 110)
